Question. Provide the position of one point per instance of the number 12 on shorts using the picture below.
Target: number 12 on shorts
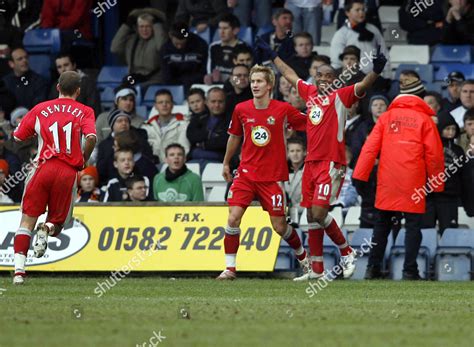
(277, 200)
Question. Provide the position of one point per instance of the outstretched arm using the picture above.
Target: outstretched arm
(379, 62)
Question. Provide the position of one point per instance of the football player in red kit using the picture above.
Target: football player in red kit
(324, 168)
(261, 122)
(60, 124)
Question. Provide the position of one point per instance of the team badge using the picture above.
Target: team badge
(316, 115)
(271, 120)
(230, 194)
(325, 101)
(260, 136)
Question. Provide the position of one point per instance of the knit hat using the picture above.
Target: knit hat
(115, 114)
(353, 50)
(378, 97)
(90, 171)
(17, 113)
(4, 166)
(413, 86)
(124, 92)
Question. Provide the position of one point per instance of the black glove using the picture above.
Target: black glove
(379, 62)
(292, 223)
(265, 48)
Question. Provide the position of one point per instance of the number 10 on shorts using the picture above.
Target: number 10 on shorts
(324, 190)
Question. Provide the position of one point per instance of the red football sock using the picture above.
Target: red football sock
(294, 242)
(335, 234)
(21, 244)
(231, 246)
(315, 242)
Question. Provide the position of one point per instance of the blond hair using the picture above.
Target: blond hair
(268, 73)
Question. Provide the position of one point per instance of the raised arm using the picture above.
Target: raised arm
(284, 69)
(379, 62)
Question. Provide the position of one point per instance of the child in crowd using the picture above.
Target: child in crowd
(88, 180)
(296, 155)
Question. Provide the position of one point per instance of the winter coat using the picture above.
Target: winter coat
(422, 23)
(174, 132)
(410, 151)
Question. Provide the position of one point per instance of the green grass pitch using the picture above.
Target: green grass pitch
(65, 311)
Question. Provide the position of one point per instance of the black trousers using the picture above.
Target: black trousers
(413, 236)
(441, 209)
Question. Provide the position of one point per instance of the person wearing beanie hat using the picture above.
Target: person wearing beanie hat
(410, 83)
(455, 79)
(125, 100)
(4, 167)
(17, 115)
(4, 198)
(119, 121)
(378, 104)
(443, 206)
(87, 191)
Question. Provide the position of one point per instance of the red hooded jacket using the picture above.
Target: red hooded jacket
(411, 159)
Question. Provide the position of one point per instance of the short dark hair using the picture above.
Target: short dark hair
(333, 70)
(10, 55)
(239, 65)
(350, 3)
(303, 35)
(174, 145)
(436, 95)
(65, 55)
(323, 58)
(231, 19)
(296, 140)
(241, 49)
(199, 91)
(466, 82)
(128, 140)
(410, 73)
(69, 82)
(280, 12)
(122, 150)
(215, 89)
(180, 30)
(469, 115)
(129, 182)
(164, 92)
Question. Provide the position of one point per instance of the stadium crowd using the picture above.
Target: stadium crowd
(142, 152)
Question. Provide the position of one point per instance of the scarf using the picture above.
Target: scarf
(364, 34)
(169, 176)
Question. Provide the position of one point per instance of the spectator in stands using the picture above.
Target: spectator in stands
(207, 132)
(357, 32)
(137, 189)
(296, 101)
(356, 132)
(466, 139)
(378, 104)
(308, 17)
(116, 189)
(221, 52)
(28, 87)
(21, 149)
(434, 100)
(296, 155)
(243, 56)
(184, 57)
(410, 83)
(88, 190)
(242, 9)
(410, 152)
(239, 90)
(7, 100)
(68, 15)
(10, 37)
(372, 14)
(166, 127)
(177, 183)
(129, 140)
(350, 72)
(283, 89)
(89, 94)
(14, 165)
(301, 60)
(467, 102)
(201, 14)
(443, 206)
(139, 43)
(424, 24)
(4, 198)
(459, 24)
(125, 100)
(454, 81)
(280, 39)
(119, 121)
(197, 102)
(317, 61)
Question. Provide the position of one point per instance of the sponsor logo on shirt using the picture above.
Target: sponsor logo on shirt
(250, 120)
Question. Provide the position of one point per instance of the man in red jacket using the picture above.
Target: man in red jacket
(410, 153)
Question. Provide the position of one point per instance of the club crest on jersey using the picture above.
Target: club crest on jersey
(316, 115)
(271, 120)
(260, 136)
(325, 101)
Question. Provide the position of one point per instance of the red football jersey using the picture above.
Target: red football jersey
(60, 125)
(326, 121)
(264, 146)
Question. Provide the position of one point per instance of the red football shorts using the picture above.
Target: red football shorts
(270, 194)
(51, 185)
(322, 183)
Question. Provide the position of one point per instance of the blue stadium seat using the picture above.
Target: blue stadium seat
(265, 30)
(425, 71)
(107, 98)
(451, 54)
(425, 255)
(41, 63)
(284, 260)
(111, 76)
(361, 237)
(177, 91)
(42, 41)
(453, 261)
(439, 87)
(442, 70)
(205, 35)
